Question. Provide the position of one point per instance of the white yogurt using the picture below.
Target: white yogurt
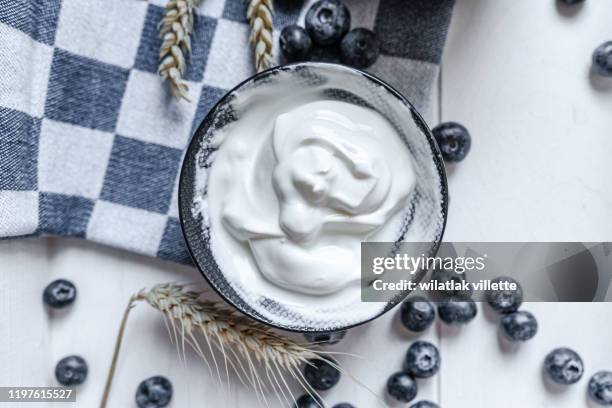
(296, 187)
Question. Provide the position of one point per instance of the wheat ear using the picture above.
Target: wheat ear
(244, 344)
(259, 14)
(176, 28)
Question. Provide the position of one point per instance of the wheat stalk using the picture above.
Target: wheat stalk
(259, 14)
(176, 28)
(245, 345)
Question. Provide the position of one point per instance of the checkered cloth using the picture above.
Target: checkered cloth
(91, 139)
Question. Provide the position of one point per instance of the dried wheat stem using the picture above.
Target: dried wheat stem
(113, 366)
(176, 28)
(259, 14)
(244, 344)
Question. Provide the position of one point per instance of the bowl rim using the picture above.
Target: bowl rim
(184, 203)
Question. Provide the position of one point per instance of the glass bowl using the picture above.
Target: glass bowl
(424, 212)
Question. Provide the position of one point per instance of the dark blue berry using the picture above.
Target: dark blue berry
(327, 338)
(154, 392)
(505, 301)
(602, 59)
(454, 141)
(327, 21)
(295, 43)
(402, 387)
(71, 370)
(457, 311)
(572, 2)
(424, 404)
(600, 387)
(308, 401)
(564, 366)
(519, 326)
(422, 359)
(321, 375)
(417, 314)
(59, 293)
(344, 405)
(360, 48)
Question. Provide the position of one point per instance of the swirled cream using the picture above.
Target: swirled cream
(296, 187)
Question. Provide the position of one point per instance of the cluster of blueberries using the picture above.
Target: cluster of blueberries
(154, 392)
(327, 34)
(562, 365)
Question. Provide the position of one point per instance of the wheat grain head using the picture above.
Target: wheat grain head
(245, 345)
(175, 29)
(259, 14)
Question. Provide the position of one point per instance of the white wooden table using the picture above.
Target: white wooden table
(516, 73)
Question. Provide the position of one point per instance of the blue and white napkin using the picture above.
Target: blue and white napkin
(91, 139)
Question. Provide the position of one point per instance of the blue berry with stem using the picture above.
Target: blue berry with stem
(154, 392)
(422, 359)
(327, 21)
(564, 366)
(457, 311)
(360, 48)
(454, 141)
(71, 370)
(59, 293)
(417, 314)
(321, 374)
(295, 43)
(402, 386)
(519, 326)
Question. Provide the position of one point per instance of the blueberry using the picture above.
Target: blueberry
(327, 338)
(572, 2)
(457, 311)
(308, 401)
(327, 21)
(424, 404)
(564, 366)
(59, 293)
(321, 375)
(602, 59)
(519, 326)
(417, 314)
(344, 405)
(505, 301)
(154, 392)
(454, 141)
(422, 359)
(600, 388)
(71, 370)
(360, 48)
(402, 387)
(295, 43)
